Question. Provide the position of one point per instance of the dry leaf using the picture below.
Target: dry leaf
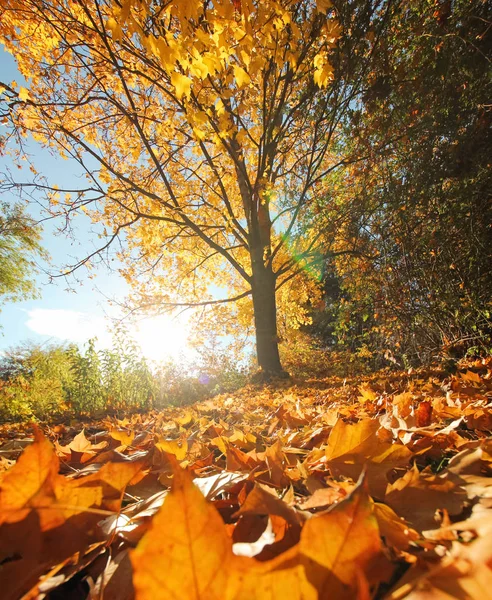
(417, 496)
(353, 447)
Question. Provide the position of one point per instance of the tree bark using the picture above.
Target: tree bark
(265, 316)
(263, 279)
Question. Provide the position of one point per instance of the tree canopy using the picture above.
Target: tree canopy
(19, 247)
(198, 124)
(418, 210)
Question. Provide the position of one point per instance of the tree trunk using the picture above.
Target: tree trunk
(265, 315)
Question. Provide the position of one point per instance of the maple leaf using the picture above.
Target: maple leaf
(241, 76)
(30, 481)
(58, 513)
(182, 85)
(23, 93)
(393, 529)
(417, 496)
(465, 574)
(189, 536)
(125, 438)
(80, 449)
(351, 447)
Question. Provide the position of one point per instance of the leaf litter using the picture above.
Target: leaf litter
(376, 487)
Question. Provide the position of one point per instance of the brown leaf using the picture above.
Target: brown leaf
(423, 414)
(417, 496)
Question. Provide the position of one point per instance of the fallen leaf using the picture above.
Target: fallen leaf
(423, 414)
(262, 502)
(352, 447)
(417, 496)
(186, 549)
(29, 483)
(80, 449)
(189, 538)
(125, 438)
(393, 529)
(464, 575)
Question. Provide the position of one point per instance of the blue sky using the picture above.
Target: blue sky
(74, 309)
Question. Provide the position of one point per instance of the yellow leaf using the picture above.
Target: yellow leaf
(182, 85)
(122, 436)
(246, 58)
(23, 94)
(241, 76)
(367, 393)
(186, 419)
(178, 448)
(115, 29)
(199, 68)
(323, 76)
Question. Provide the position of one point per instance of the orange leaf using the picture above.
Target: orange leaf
(186, 550)
(26, 484)
(423, 414)
(393, 529)
(262, 502)
(351, 447)
(416, 497)
(80, 449)
(343, 541)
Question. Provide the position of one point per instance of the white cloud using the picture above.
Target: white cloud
(69, 325)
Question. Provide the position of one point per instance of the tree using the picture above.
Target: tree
(419, 212)
(35, 380)
(19, 245)
(205, 130)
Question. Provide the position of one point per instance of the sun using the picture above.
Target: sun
(163, 337)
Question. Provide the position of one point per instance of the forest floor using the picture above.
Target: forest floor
(368, 487)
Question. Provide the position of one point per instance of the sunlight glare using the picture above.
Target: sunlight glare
(162, 337)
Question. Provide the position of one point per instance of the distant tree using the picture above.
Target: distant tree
(19, 247)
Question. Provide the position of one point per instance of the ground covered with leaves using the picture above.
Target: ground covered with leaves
(329, 488)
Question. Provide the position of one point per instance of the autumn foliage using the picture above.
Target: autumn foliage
(307, 163)
(374, 487)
